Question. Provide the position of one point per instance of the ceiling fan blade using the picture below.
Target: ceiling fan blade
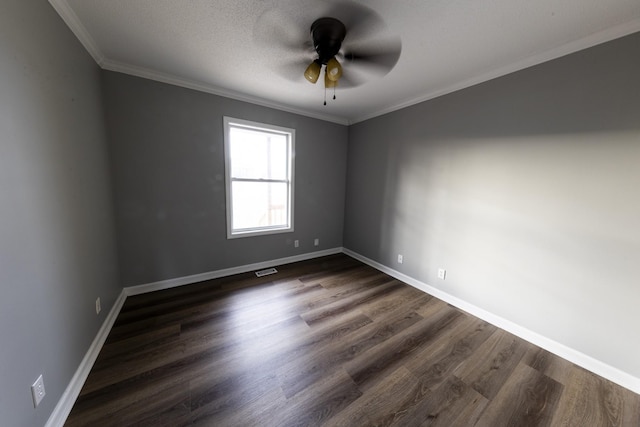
(380, 59)
(288, 47)
(361, 21)
(293, 71)
(351, 79)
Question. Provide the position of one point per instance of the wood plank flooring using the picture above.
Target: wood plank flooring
(330, 342)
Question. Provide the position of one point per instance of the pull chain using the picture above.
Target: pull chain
(325, 94)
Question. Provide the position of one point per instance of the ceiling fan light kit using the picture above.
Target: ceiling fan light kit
(328, 35)
(349, 44)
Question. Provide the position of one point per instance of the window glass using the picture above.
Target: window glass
(259, 177)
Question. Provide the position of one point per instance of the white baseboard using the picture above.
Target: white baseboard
(195, 278)
(65, 404)
(596, 366)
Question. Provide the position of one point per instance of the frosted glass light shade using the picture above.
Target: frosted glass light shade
(313, 72)
(334, 70)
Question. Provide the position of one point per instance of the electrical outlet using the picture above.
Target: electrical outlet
(37, 391)
(296, 243)
(98, 307)
(316, 242)
(442, 273)
(400, 258)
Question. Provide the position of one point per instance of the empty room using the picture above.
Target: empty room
(319, 213)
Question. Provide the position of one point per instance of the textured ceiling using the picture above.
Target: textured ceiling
(225, 46)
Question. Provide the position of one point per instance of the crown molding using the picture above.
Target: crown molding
(565, 49)
(203, 87)
(73, 22)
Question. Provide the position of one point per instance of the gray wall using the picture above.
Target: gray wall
(57, 252)
(168, 172)
(526, 189)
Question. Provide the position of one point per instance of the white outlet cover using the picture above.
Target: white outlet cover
(400, 259)
(296, 243)
(37, 391)
(316, 242)
(98, 306)
(442, 273)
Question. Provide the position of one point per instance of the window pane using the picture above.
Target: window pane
(259, 204)
(258, 155)
(254, 154)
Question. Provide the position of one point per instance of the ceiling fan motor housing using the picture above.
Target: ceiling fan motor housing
(328, 35)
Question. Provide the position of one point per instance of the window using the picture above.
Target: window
(259, 178)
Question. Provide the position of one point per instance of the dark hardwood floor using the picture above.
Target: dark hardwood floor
(330, 342)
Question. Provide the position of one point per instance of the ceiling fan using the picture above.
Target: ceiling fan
(348, 35)
(327, 35)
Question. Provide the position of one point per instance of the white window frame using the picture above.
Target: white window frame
(230, 122)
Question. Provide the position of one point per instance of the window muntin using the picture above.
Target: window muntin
(259, 178)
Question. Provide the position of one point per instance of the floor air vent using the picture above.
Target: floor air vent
(266, 272)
